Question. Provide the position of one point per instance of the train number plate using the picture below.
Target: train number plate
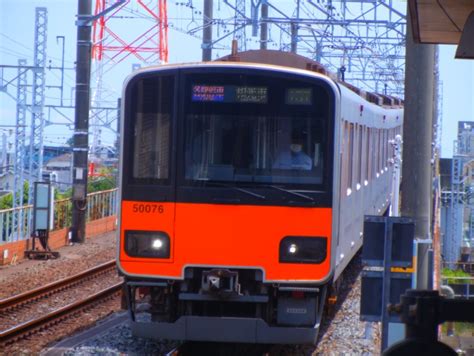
(148, 208)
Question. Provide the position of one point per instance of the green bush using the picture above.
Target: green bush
(447, 273)
(6, 202)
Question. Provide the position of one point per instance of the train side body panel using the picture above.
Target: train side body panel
(370, 193)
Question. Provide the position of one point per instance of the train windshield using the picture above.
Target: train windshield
(254, 149)
(262, 131)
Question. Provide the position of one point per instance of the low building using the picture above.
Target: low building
(59, 171)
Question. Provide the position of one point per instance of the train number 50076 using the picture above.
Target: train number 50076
(148, 208)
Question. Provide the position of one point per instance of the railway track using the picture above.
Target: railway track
(190, 348)
(44, 321)
(34, 295)
(333, 340)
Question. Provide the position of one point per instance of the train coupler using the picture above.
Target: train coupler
(220, 281)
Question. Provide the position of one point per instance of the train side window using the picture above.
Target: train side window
(384, 149)
(390, 145)
(359, 158)
(355, 161)
(376, 153)
(350, 157)
(392, 140)
(384, 146)
(379, 151)
(371, 153)
(344, 157)
(367, 157)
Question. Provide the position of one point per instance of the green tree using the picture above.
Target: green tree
(6, 201)
(26, 190)
(104, 181)
(62, 195)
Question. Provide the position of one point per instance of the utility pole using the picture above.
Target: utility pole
(207, 31)
(294, 29)
(81, 121)
(417, 139)
(264, 26)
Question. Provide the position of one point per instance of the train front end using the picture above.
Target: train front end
(226, 202)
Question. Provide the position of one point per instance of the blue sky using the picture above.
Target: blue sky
(457, 76)
(17, 36)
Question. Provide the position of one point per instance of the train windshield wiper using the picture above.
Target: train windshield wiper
(236, 188)
(291, 192)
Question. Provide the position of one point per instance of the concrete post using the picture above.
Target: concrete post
(417, 148)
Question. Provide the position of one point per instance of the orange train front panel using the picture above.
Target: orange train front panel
(225, 235)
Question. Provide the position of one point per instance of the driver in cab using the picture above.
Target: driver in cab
(294, 158)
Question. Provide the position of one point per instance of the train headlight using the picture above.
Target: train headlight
(303, 249)
(157, 244)
(292, 249)
(153, 244)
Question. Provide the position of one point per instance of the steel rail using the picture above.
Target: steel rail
(54, 287)
(27, 328)
(181, 350)
(174, 352)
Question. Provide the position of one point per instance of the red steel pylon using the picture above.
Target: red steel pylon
(113, 39)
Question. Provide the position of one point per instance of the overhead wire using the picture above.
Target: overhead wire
(30, 50)
(16, 42)
(14, 53)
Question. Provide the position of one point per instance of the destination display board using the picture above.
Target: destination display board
(251, 95)
(229, 94)
(299, 96)
(247, 94)
(208, 93)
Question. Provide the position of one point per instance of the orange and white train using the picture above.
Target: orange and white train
(243, 191)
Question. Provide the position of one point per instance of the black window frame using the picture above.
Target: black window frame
(176, 189)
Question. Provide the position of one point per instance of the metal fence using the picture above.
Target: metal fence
(16, 224)
(467, 267)
(463, 287)
(101, 204)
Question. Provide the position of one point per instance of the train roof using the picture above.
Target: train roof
(284, 61)
(293, 60)
(227, 63)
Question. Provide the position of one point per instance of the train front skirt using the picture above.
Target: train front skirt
(285, 315)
